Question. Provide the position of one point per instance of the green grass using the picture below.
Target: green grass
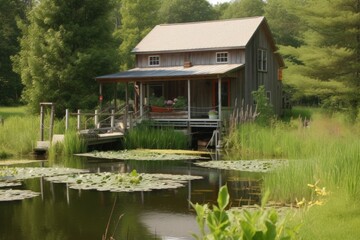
(337, 219)
(327, 152)
(20, 131)
(6, 112)
(72, 144)
(18, 135)
(145, 136)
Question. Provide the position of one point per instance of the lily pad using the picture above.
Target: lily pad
(10, 184)
(147, 154)
(12, 195)
(8, 174)
(123, 182)
(245, 165)
(13, 162)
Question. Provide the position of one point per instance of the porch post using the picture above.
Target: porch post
(218, 142)
(189, 99)
(115, 96)
(141, 93)
(126, 105)
(100, 94)
(219, 97)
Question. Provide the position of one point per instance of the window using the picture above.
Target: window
(156, 90)
(262, 60)
(154, 60)
(268, 95)
(221, 57)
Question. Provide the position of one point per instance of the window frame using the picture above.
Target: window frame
(262, 62)
(154, 60)
(221, 59)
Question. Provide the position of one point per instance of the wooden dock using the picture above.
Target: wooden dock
(90, 138)
(101, 138)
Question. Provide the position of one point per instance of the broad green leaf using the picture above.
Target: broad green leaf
(271, 231)
(223, 197)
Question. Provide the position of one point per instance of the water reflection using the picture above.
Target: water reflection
(63, 213)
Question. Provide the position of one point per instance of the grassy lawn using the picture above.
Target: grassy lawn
(6, 112)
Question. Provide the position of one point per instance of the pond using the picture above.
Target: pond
(60, 212)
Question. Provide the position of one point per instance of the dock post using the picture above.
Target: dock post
(41, 123)
(96, 119)
(66, 119)
(52, 116)
(78, 119)
(112, 120)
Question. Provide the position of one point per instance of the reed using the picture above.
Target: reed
(18, 135)
(72, 144)
(326, 150)
(146, 136)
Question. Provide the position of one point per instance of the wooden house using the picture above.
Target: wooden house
(210, 64)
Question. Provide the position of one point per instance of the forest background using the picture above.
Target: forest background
(51, 50)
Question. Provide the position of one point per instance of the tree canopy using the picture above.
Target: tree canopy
(64, 46)
(10, 83)
(329, 57)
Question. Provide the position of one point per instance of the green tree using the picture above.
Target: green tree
(244, 8)
(179, 11)
(10, 83)
(331, 52)
(285, 25)
(64, 46)
(220, 8)
(138, 18)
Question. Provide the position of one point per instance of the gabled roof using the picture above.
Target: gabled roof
(177, 72)
(196, 36)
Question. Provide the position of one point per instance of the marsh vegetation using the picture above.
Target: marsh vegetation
(318, 148)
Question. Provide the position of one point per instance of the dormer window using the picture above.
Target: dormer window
(154, 60)
(221, 57)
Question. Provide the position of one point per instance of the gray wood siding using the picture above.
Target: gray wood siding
(255, 78)
(196, 58)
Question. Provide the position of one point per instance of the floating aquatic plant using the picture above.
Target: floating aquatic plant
(12, 195)
(245, 165)
(10, 174)
(123, 182)
(147, 154)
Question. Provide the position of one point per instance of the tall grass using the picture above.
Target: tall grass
(327, 151)
(21, 131)
(18, 135)
(72, 144)
(145, 136)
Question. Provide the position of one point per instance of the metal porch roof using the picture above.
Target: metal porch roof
(168, 73)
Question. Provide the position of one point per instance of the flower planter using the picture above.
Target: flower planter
(161, 109)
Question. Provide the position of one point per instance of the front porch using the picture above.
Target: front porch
(206, 91)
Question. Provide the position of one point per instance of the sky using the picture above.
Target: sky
(213, 2)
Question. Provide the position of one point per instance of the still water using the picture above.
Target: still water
(61, 213)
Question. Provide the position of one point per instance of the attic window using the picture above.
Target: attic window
(154, 60)
(262, 60)
(221, 57)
